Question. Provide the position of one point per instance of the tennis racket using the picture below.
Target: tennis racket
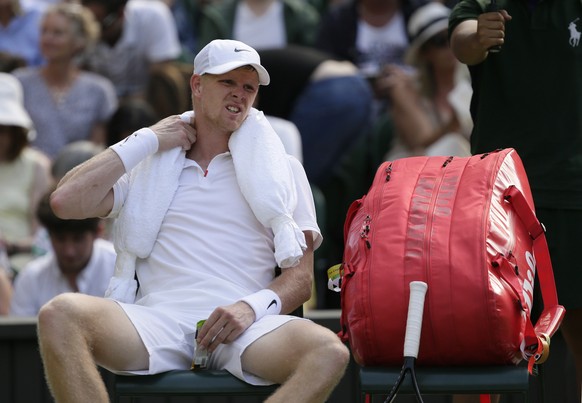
(411, 339)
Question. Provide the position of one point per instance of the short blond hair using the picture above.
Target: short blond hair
(85, 27)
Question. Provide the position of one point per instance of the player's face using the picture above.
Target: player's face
(226, 99)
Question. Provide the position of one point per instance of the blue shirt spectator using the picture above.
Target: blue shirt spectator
(20, 31)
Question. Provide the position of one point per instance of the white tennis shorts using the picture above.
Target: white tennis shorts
(169, 340)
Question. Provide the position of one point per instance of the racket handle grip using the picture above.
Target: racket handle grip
(414, 320)
(491, 8)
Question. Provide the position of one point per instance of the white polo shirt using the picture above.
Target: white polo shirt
(211, 250)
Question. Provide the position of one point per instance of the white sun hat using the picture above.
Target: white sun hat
(223, 55)
(424, 23)
(12, 112)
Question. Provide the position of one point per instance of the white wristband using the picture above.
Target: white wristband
(264, 302)
(136, 147)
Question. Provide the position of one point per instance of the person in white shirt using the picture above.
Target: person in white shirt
(211, 259)
(136, 37)
(262, 24)
(80, 261)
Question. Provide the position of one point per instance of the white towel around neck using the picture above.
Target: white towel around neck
(260, 163)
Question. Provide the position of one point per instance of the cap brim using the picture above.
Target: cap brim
(11, 115)
(264, 78)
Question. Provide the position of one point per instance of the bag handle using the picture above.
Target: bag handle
(553, 313)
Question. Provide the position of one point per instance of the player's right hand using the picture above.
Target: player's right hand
(174, 132)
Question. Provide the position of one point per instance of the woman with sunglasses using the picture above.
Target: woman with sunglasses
(430, 107)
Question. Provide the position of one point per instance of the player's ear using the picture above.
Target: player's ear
(195, 84)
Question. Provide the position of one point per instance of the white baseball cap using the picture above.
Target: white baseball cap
(12, 112)
(223, 55)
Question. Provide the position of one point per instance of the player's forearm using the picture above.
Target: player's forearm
(86, 191)
(294, 284)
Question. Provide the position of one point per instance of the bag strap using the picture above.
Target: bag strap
(553, 313)
(536, 230)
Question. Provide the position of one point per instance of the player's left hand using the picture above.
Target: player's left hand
(225, 324)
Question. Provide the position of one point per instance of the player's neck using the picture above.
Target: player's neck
(207, 146)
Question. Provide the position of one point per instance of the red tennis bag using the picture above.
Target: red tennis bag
(466, 227)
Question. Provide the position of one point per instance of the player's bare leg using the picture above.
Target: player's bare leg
(76, 332)
(308, 361)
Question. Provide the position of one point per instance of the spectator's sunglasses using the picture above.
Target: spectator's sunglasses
(439, 40)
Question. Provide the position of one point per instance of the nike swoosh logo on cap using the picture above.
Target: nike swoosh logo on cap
(241, 50)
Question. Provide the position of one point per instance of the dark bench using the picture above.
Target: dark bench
(187, 383)
(448, 380)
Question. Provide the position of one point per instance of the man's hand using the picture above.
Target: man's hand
(225, 324)
(173, 132)
(472, 39)
(491, 28)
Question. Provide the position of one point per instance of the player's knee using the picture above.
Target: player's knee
(336, 354)
(340, 356)
(56, 315)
